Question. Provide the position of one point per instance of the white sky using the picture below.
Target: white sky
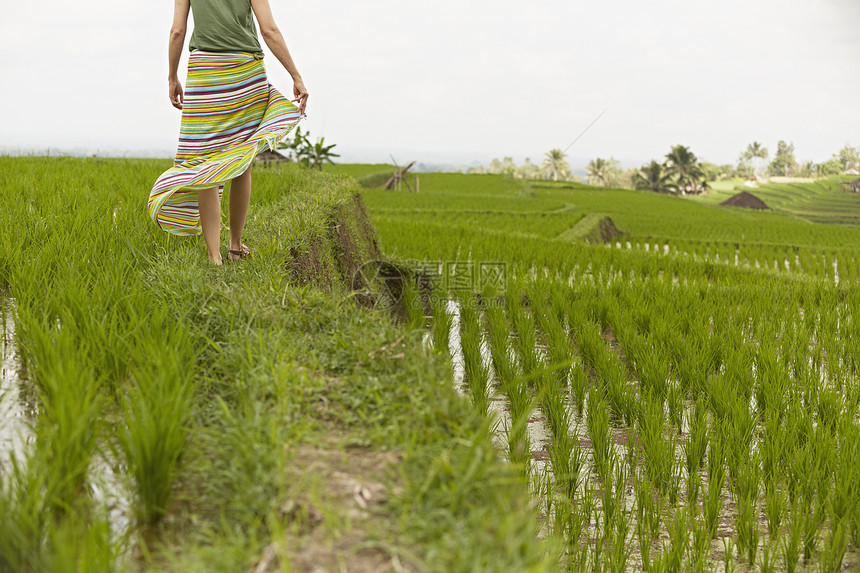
(461, 80)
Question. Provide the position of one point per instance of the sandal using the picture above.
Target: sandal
(241, 254)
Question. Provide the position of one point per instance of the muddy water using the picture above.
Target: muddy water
(16, 411)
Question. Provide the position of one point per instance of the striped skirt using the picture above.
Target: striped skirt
(230, 113)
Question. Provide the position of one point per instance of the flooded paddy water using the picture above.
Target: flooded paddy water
(17, 409)
(19, 414)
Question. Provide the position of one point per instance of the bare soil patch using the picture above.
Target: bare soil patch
(335, 516)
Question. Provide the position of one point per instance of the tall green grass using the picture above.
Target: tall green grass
(197, 386)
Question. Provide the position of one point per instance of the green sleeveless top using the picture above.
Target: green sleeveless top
(224, 26)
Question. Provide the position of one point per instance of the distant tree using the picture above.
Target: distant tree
(783, 164)
(830, 167)
(848, 157)
(555, 165)
(745, 167)
(320, 153)
(653, 177)
(727, 171)
(712, 171)
(684, 166)
(757, 155)
(623, 179)
(602, 171)
(312, 155)
(805, 169)
(297, 146)
(528, 170)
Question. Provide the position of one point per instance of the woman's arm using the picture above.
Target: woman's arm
(174, 50)
(275, 40)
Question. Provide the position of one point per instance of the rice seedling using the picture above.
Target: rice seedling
(728, 554)
(658, 449)
(81, 543)
(774, 506)
(833, 552)
(694, 449)
(700, 547)
(526, 340)
(567, 458)
(766, 564)
(814, 517)
(679, 539)
(621, 550)
(442, 321)
(578, 386)
(471, 341)
(747, 528)
(675, 403)
(70, 402)
(597, 422)
(643, 503)
(791, 541)
(414, 298)
(577, 525)
(612, 500)
(157, 409)
(716, 481)
(500, 351)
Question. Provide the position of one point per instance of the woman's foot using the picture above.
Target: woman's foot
(242, 252)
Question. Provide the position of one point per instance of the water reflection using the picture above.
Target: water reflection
(16, 407)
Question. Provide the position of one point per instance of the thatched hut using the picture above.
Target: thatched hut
(852, 186)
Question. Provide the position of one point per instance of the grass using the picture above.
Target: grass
(204, 389)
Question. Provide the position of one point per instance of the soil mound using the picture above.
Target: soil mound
(745, 199)
(593, 228)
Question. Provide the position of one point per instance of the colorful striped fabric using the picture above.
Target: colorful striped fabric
(230, 113)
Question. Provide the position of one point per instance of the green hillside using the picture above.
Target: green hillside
(822, 201)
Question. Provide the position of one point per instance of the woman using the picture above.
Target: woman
(230, 112)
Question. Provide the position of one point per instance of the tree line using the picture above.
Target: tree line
(680, 171)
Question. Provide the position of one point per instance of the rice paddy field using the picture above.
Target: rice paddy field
(161, 414)
(683, 397)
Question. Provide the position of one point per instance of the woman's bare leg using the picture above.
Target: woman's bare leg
(240, 196)
(209, 205)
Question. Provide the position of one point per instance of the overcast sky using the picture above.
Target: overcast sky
(461, 80)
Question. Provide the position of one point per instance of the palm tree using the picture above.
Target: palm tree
(684, 165)
(555, 166)
(599, 171)
(757, 153)
(653, 177)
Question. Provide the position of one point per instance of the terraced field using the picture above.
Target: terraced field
(823, 201)
(685, 398)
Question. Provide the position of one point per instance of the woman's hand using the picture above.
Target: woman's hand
(176, 94)
(301, 93)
